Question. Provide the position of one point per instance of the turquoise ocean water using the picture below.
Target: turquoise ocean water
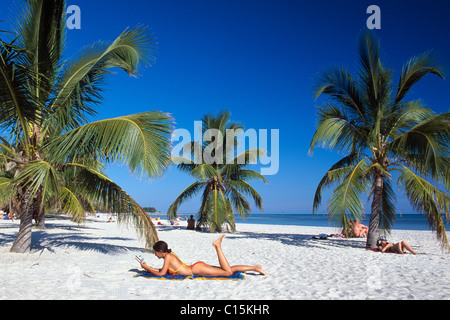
(403, 222)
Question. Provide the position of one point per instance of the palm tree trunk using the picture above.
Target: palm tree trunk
(39, 213)
(374, 222)
(40, 222)
(22, 244)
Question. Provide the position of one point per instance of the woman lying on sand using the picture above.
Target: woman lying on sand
(385, 246)
(174, 265)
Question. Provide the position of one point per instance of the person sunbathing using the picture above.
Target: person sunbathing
(385, 246)
(174, 265)
(359, 229)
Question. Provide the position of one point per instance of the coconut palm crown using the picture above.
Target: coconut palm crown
(385, 138)
(51, 157)
(221, 178)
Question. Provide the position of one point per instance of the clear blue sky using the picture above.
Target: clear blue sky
(258, 59)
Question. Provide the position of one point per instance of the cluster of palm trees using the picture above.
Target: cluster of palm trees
(52, 157)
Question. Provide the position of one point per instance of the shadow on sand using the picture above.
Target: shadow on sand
(76, 238)
(291, 239)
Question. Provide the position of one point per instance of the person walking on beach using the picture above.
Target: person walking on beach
(174, 265)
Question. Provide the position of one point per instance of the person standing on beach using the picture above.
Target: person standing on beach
(174, 265)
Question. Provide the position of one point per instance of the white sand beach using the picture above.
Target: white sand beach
(96, 261)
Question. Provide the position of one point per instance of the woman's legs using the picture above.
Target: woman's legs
(222, 260)
(225, 268)
(399, 247)
(407, 247)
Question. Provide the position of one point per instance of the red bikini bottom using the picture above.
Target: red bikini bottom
(192, 267)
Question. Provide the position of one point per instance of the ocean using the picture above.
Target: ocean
(403, 222)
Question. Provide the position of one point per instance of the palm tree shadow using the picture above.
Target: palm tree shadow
(41, 240)
(302, 240)
(295, 239)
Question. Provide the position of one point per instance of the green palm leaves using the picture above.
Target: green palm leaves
(51, 155)
(384, 138)
(222, 181)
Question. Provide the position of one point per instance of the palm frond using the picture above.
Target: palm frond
(204, 172)
(414, 70)
(187, 194)
(405, 116)
(38, 176)
(79, 86)
(140, 141)
(334, 175)
(427, 199)
(72, 205)
(99, 189)
(239, 202)
(240, 186)
(370, 68)
(345, 203)
(16, 109)
(5, 191)
(335, 130)
(41, 31)
(338, 84)
(426, 145)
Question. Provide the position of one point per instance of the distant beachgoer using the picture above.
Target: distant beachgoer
(174, 223)
(11, 216)
(111, 220)
(174, 265)
(385, 246)
(191, 223)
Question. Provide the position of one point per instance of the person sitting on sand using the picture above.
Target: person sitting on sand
(385, 246)
(359, 229)
(174, 265)
(191, 223)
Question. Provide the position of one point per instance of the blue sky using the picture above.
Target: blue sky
(258, 59)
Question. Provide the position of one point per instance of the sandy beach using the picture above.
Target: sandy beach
(96, 261)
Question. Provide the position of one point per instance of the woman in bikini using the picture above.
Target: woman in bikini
(174, 265)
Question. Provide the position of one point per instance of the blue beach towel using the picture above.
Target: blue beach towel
(148, 275)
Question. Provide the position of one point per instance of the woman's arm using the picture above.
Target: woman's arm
(386, 247)
(157, 272)
(150, 269)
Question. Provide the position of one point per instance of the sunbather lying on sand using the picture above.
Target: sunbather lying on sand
(174, 265)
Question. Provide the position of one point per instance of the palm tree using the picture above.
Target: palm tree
(50, 154)
(384, 138)
(222, 179)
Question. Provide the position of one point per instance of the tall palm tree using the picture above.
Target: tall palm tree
(221, 179)
(384, 138)
(51, 153)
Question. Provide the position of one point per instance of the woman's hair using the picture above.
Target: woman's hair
(381, 238)
(161, 246)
